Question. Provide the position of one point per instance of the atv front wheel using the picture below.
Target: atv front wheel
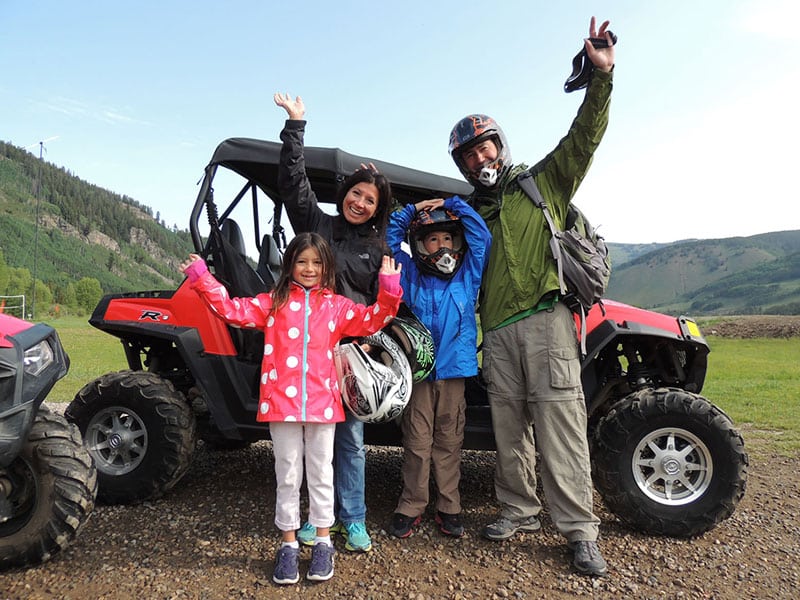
(140, 431)
(51, 486)
(669, 462)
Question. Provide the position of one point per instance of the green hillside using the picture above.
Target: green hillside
(84, 232)
(759, 274)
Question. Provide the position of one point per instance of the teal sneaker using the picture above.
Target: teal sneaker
(307, 534)
(357, 537)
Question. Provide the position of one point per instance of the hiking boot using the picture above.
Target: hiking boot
(587, 559)
(287, 562)
(321, 568)
(450, 524)
(504, 528)
(357, 537)
(307, 534)
(403, 526)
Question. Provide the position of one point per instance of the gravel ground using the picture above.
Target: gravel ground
(212, 537)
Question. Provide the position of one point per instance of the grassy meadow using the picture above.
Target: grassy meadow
(756, 381)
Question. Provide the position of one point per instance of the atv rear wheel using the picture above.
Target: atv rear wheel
(669, 462)
(140, 431)
(51, 486)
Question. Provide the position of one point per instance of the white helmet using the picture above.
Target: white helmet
(376, 385)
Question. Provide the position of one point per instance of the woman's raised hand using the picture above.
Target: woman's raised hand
(294, 108)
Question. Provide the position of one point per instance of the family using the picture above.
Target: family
(345, 275)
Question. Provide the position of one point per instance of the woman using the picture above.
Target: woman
(356, 235)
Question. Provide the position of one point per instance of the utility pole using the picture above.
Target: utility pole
(36, 231)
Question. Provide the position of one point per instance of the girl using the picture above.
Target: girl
(302, 319)
(356, 235)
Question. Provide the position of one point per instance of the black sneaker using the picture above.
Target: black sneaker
(587, 559)
(403, 526)
(450, 524)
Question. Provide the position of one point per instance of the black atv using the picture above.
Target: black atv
(48, 481)
(665, 459)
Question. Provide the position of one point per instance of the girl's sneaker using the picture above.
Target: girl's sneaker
(321, 568)
(286, 566)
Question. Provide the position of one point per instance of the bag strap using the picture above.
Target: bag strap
(528, 185)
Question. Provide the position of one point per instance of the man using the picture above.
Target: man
(530, 350)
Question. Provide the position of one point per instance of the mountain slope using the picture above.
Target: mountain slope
(753, 274)
(84, 230)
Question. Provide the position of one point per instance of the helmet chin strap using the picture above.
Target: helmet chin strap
(488, 176)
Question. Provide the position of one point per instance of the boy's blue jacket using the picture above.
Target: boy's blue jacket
(446, 306)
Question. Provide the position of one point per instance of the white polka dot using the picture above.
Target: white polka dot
(270, 321)
(264, 378)
(291, 362)
(293, 333)
(273, 375)
(250, 325)
(295, 306)
(290, 419)
(291, 391)
(330, 355)
(331, 326)
(376, 309)
(328, 413)
(256, 302)
(387, 319)
(367, 317)
(268, 349)
(236, 304)
(264, 408)
(328, 383)
(350, 314)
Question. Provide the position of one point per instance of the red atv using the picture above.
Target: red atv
(48, 482)
(665, 459)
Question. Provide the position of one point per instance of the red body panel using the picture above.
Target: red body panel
(620, 313)
(184, 309)
(10, 325)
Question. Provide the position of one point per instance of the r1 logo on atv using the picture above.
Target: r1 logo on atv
(152, 315)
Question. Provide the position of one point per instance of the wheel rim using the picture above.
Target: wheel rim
(20, 486)
(672, 466)
(117, 440)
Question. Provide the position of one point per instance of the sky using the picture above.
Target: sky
(135, 96)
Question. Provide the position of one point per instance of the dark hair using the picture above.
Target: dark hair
(381, 217)
(300, 242)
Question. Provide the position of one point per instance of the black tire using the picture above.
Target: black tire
(52, 486)
(668, 462)
(140, 431)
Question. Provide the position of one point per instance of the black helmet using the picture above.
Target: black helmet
(445, 261)
(415, 340)
(469, 131)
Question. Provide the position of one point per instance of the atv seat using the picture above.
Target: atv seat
(233, 234)
(269, 261)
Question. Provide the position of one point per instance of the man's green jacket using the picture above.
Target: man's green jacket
(521, 268)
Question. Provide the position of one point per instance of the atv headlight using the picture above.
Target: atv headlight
(37, 358)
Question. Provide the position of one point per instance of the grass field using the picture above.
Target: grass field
(756, 381)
